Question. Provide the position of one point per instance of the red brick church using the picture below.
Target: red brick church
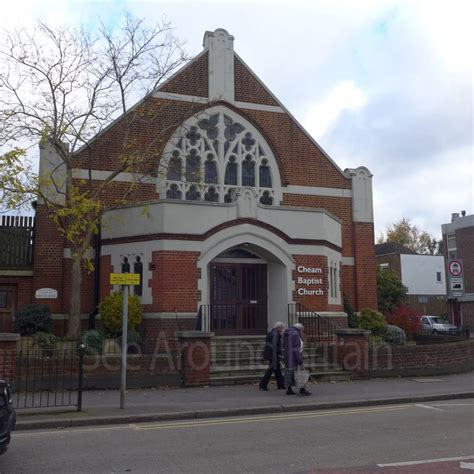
(246, 216)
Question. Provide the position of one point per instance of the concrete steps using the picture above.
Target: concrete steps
(238, 360)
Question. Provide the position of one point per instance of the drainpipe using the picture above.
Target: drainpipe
(95, 311)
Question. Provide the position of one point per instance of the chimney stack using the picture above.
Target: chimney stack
(454, 216)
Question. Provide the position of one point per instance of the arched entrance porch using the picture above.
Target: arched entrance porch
(246, 284)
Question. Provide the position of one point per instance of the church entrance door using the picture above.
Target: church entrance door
(238, 299)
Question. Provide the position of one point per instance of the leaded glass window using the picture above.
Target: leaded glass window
(248, 172)
(173, 192)
(211, 195)
(210, 170)
(215, 153)
(266, 198)
(174, 167)
(265, 177)
(231, 172)
(193, 166)
(193, 194)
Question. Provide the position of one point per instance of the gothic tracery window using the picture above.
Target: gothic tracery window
(213, 155)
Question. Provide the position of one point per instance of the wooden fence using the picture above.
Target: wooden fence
(16, 241)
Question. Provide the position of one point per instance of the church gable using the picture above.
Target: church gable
(248, 88)
(192, 79)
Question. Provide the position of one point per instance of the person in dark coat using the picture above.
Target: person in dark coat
(272, 354)
(293, 347)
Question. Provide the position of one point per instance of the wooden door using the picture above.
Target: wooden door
(7, 307)
(238, 299)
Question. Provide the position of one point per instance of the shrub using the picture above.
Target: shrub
(134, 341)
(395, 335)
(371, 319)
(111, 313)
(32, 319)
(376, 341)
(390, 290)
(45, 340)
(406, 318)
(92, 341)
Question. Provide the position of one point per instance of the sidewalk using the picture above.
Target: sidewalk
(102, 407)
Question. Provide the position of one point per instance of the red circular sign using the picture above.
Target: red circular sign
(455, 268)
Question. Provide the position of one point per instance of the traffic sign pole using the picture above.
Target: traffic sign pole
(124, 279)
(123, 379)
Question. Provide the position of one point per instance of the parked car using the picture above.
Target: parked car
(436, 325)
(7, 416)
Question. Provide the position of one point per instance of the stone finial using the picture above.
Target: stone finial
(221, 64)
(220, 35)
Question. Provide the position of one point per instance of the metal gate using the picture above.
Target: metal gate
(45, 378)
(238, 299)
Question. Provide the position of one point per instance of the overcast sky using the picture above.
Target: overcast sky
(386, 84)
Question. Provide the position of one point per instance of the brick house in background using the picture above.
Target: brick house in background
(423, 275)
(247, 213)
(458, 241)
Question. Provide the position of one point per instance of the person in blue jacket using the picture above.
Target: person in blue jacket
(293, 348)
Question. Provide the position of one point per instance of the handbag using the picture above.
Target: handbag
(301, 377)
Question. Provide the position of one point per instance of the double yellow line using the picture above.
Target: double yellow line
(258, 419)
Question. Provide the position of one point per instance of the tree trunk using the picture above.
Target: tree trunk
(74, 324)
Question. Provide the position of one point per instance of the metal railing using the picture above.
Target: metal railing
(316, 327)
(238, 318)
(45, 378)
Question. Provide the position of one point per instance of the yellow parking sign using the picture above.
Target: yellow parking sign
(124, 278)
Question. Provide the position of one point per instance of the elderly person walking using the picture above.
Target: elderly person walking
(272, 353)
(293, 346)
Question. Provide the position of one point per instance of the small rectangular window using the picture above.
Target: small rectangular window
(438, 276)
(384, 266)
(451, 239)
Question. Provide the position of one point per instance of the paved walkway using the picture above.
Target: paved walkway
(101, 407)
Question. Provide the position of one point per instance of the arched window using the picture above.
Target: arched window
(219, 149)
(248, 172)
(193, 166)
(265, 176)
(230, 196)
(231, 172)
(210, 170)
(174, 167)
(173, 192)
(193, 194)
(211, 195)
(266, 198)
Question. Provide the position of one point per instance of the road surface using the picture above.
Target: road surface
(436, 437)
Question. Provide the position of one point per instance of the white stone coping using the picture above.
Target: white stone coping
(63, 316)
(194, 334)
(170, 315)
(353, 332)
(17, 273)
(9, 337)
(332, 314)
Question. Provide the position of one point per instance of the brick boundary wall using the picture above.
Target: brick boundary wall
(429, 359)
(7, 360)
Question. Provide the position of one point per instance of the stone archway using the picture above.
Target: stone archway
(264, 245)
